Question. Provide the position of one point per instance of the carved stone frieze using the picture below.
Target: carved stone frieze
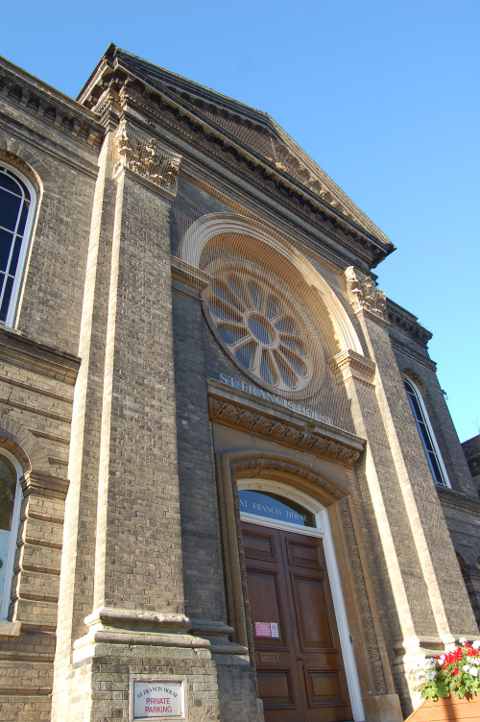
(146, 158)
(364, 294)
(240, 411)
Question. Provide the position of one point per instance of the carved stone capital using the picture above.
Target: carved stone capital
(364, 294)
(145, 157)
(350, 364)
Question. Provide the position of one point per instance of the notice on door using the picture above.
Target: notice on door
(157, 699)
(269, 630)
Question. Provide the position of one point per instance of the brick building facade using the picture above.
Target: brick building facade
(229, 476)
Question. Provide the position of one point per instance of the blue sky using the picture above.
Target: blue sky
(382, 94)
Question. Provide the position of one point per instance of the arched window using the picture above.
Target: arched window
(275, 507)
(430, 446)
(10, 499)
(16, 215)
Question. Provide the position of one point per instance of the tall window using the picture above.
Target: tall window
(16, 211)
(10, 496)
(430, 446)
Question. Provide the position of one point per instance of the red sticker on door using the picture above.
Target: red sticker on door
(267, 629)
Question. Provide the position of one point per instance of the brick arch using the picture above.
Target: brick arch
(409, 373)
(216, 225)
(26, 159)
(29, 451)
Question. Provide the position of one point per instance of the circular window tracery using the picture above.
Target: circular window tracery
(265, 333)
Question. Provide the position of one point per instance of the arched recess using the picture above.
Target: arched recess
(214, 225)
(35, 482)
(28, 450)
(11, 473)
(307, 486)
(15, 445)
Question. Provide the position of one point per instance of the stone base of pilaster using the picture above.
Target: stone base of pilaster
(237, 690)
(218, 680)
(383, 708)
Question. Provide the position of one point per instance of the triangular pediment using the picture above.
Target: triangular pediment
(256, 132)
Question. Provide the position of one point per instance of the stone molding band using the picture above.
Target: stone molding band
(240, 410)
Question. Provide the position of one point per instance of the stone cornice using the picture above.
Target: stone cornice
(239, 410)
(188, 275)
(236, 120)
(35, 482)
(457, 500)
(418, 356)
(41, 359)
(50, 106)
(401, 318)
(138, 96)
(136, 618)
(350, 364)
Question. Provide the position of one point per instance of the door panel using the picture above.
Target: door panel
(276, 689)
(311, 608)
(300, 669)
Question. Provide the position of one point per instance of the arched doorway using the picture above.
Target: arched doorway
(305, 664)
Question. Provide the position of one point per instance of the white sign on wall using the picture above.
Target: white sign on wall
(157, 699)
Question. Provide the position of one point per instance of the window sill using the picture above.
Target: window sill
(10, 629)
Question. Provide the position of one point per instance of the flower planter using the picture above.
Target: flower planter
(447, 710)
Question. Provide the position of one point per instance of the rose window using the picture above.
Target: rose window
(264, 333)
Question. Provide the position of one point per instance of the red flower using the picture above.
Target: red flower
(455, 671)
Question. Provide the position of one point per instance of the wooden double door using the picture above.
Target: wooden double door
(300, 671)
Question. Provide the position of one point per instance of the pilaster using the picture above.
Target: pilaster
(125, 522)
(429, 605)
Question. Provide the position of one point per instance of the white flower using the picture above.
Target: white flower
(462, 641)
(467, 668)
(451, 647)
(442, 659)
(431, 675)
(429, 663)
(476, 644)
(474, 671)
(476, 660)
